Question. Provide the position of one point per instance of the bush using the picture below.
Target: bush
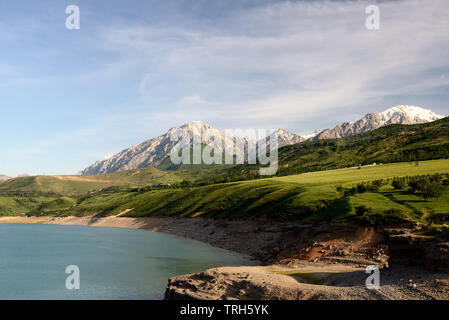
(375, 185)
(361, 188)
(350, 192)
(361, 210)
(398, 184)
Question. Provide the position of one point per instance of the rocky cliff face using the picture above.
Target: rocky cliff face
(286, 138)
(152, 152)
(155, 151)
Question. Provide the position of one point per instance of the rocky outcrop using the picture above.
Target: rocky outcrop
(254, 283)
(307, 282)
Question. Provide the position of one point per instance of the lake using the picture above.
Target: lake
(114, 263)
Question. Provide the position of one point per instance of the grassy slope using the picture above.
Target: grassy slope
(15, 206)
(310, 196)
(50, 194)
(80, 184)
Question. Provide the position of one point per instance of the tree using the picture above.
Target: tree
(398, 184)
(375, 185)
(185, 183)
(432, 189)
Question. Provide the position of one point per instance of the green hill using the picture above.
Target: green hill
(80, 184)
(317, 196)
(393, 143)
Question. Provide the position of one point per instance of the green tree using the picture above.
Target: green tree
(398, 184)
(433, 189)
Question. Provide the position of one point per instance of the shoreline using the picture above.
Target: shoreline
(224, 234)
(300, 261)
(268, 241)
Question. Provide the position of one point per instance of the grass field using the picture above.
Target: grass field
(310, 197)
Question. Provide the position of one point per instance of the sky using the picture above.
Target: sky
(136, 68)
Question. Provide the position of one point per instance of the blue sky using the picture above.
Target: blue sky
(137, 68)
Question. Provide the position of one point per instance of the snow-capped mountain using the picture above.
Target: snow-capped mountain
(307, 136)
(3, 177)
(156, 151)
(397, 115)
(152, 152)
(408, 115)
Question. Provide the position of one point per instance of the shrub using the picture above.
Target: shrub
(398, 184)
(350, 192)
(375, 185)
(361, 210)
(361, 188)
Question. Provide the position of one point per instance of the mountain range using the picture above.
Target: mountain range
(154, 152)
(396, 115)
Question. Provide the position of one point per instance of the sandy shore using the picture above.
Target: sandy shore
(24, 219)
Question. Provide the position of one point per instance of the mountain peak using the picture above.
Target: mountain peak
(400, 114)
(196, 124)
(413, 114)
(285, 138)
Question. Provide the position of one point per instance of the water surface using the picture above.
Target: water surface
(114, 263)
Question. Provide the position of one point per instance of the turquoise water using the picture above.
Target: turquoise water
(114, 263)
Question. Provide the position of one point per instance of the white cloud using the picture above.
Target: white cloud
(290, 61)
(289, 64)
